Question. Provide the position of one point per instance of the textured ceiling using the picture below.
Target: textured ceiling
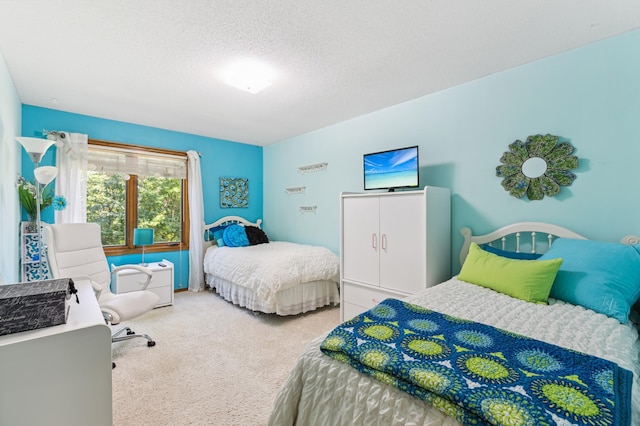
(157, 62)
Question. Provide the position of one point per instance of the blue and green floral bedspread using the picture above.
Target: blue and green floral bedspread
(480, 374)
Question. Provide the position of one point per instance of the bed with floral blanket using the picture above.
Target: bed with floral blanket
(269, 276)
(558, 338)
(481, 374)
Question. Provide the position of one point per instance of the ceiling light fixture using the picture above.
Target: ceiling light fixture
(248, 75)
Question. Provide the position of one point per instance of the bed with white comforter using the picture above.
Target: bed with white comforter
(323, 391)
(277, 277)
(265, 272)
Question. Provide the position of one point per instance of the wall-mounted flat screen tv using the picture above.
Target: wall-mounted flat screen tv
(396, 168)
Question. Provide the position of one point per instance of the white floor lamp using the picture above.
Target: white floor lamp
(44, 175)
(36, 147)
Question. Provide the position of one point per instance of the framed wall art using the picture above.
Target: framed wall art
(234, 192)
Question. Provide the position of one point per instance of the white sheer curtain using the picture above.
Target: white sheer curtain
(71, 182)
(196, 219)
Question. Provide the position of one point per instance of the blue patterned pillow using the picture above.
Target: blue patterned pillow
(235, 236)
(601, 276)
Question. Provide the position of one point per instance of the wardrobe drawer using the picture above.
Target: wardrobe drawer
(366, 297)
(349, 310)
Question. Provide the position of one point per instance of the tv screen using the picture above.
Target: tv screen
(397, 168)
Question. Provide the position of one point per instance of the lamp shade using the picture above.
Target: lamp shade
(35, 147)
(45, 174)
(142, 236)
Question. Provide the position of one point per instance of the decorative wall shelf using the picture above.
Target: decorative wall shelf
(30, 254)
(313, 168)
(308, 209)
(295, 190)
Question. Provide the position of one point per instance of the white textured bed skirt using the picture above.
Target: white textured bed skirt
(296, 300)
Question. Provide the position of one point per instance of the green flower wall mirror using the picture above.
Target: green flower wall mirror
(538, 167)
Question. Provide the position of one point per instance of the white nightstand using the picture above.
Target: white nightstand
(161, 283)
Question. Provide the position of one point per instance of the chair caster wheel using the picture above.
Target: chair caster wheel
(151, 343)
(113, 365)
(130, 332)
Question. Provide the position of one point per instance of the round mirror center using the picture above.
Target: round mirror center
(534, 167)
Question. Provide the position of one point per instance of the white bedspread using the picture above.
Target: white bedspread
(323, 391)
(269, 268)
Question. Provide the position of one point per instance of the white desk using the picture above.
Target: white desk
(59, 375)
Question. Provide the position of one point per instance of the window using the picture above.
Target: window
(137, 187)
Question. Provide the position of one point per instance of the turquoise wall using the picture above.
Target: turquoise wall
(589, 96)
(219, 158)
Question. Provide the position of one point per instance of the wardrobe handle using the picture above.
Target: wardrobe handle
(374, 241)
(384, 242)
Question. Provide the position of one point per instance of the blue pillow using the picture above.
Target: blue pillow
(601, 276)
(235, 236)
(219, 237)
(215, 234)
(511, 254)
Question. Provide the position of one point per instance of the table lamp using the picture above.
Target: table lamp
(143, 237)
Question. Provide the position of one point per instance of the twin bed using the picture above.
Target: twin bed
(352, 376)
(276, 277)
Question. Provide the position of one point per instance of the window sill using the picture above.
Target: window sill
(156, 248)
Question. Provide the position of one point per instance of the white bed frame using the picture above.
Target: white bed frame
(518, 233)
(227, 220)
(536, 235)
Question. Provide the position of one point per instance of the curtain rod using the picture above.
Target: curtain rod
(53, 134)
(58, 134)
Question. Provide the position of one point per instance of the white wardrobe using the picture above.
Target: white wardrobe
(393, 244)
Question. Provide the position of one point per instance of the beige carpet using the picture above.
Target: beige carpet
(214, 363)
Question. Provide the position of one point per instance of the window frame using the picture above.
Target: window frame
(131, 212)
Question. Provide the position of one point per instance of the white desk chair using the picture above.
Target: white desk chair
(74, 250)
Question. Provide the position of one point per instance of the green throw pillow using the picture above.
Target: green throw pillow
(529, 280)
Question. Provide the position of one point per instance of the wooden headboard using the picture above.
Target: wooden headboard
(226, 220)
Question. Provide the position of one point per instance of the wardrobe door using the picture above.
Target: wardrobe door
(360, 239)
(402, 242)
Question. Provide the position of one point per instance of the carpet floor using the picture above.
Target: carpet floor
(213, 364)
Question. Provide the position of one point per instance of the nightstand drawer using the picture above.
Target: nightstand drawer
(135, 281)
(165, 294)
(128, 280)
